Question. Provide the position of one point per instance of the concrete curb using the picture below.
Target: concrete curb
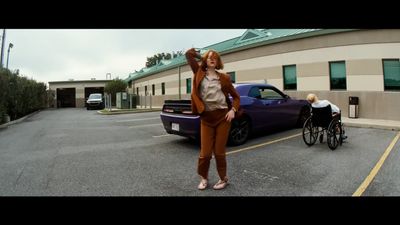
(2, 126)
(116, 112)
(372, 123)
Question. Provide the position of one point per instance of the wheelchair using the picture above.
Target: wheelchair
(322, 121)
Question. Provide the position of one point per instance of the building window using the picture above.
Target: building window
(163, 88)
(145, 90)
(233, 76)
(188, 85)
(391, 74)
(137, 91)
(153, 89)
(289, 77)
(337, 73)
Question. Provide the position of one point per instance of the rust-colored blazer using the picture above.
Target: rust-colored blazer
(226, 85)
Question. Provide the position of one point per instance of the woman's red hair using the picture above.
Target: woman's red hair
(219, 65)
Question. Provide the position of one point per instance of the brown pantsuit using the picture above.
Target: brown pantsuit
(214, 135)
(214, 127)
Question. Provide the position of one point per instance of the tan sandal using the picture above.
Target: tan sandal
(203, 184)
(221, 184)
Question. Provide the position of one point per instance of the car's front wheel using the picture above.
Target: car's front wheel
(239, 132)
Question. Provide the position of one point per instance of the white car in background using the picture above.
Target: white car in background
(95, 100)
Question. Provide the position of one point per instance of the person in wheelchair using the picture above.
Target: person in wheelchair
(316, 103)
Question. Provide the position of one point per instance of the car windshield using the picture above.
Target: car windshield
(95, 96)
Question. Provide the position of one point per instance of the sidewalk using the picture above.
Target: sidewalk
(371, 123)
(5, 125)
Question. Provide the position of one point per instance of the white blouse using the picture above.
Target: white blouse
(212, 95)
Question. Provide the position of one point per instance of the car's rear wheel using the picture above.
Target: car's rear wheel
(239, 132)
(305, 113)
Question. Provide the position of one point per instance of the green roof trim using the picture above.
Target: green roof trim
(250, 34)
(251, 38)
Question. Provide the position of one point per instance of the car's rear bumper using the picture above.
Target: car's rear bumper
(189, 125)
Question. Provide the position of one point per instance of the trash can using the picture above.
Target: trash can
(353, 107)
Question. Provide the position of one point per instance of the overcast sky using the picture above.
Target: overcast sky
(81, 54)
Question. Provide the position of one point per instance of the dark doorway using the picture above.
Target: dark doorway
(90, 90)
(66, 97)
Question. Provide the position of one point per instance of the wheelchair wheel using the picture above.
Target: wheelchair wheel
(310, 133)
(334, 134)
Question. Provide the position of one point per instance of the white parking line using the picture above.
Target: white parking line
(164, 135)
(150, 118)
(146, 125)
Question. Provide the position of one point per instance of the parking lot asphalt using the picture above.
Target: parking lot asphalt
(75, 152)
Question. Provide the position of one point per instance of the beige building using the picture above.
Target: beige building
(74, 93)
(332, 63)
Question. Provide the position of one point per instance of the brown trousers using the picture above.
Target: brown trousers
(214, 135)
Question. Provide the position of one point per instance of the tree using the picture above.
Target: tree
(4, 93)
(19, 95)
(176, 54)
(114, 86)
(154, 60)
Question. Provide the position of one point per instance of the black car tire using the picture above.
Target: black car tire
(305, 113)
(239, 132)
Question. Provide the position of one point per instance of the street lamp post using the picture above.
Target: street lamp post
(3, 38)
(8, 53)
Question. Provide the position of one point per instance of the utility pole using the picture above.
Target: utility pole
(8, 53)
(3, 39)
(179, 83)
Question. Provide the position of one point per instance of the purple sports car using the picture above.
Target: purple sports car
(264, 108)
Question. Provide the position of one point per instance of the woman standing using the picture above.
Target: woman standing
(210, 99)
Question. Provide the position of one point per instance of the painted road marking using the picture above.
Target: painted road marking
(263, 144)
(131, 120)
(146, 125)
(164, 135)
(377, 167)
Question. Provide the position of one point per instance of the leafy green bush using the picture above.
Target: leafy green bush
(20, 95)
(114, 86)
